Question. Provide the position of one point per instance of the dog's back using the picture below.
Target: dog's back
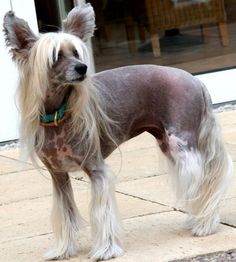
(143, 97)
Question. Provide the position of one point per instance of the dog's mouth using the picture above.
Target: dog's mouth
(79, 79)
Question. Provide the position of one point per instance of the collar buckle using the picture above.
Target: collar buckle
(56, 119)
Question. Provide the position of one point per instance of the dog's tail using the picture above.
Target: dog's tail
(202, 175)
(217, 170)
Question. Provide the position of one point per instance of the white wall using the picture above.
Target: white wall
(8, 112)
(221, 85)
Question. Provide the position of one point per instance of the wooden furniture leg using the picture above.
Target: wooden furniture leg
(223, 32)
(130, 33)
(205, 33)
(155, 45)
(141, 31)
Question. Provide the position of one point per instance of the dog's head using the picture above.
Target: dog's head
(62, 56)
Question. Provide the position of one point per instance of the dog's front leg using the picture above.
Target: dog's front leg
(106, 226)
(65, 218)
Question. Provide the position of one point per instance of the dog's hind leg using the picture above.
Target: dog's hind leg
(106, 225)
(65, 218)
(201, 175)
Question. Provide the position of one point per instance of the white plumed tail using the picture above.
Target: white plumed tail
(203, 174)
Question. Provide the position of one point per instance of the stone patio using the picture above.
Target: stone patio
(153, 229)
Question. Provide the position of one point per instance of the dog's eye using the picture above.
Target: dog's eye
(59, 55)
(75, 53)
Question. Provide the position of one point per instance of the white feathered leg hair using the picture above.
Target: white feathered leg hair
(105, 222)
(202, 175)
(66, 219)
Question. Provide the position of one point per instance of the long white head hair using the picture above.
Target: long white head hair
(35, 57)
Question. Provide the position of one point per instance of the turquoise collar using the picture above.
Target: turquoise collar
(55, 118)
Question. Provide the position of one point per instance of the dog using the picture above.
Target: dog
(71, 120)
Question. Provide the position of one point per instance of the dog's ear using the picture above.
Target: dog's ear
(80, 21)
(18, 36)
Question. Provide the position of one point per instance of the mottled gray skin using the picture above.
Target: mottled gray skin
(153, 98)
(160, 100)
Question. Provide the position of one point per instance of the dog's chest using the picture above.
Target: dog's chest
(57, 154)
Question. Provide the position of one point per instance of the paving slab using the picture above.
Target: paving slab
(167, 239)
(13, 153)
(159, 237)
(19, 186)
(133, 165)
(8, 165)
(157, 189)
(227, 120)
(30, 217)
(27, 184)
(228, 211)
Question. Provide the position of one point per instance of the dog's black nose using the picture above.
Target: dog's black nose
(81, 69)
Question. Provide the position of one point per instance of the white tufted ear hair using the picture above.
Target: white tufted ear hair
(18, 36)
(80, 21)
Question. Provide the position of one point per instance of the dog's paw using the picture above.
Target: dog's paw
(61, 253)
(206, 226)
(107, 252)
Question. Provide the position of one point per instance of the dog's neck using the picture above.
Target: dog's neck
(54, 100)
